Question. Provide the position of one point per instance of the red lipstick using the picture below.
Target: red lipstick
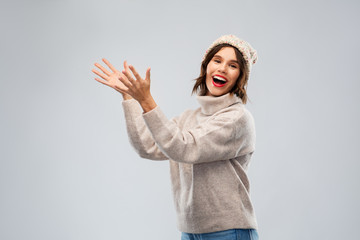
(220, 80)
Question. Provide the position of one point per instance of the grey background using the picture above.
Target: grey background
(67, 170)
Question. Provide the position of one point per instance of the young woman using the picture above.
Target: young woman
(209, 148)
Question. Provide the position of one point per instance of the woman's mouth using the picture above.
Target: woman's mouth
(219, 81)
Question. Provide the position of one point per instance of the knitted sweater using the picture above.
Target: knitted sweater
(209, 150)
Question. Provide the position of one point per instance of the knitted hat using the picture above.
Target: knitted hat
(245, 48)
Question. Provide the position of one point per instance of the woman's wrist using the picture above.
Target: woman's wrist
(126, 96)
(148, 104)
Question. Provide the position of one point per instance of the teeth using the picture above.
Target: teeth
(220, 78)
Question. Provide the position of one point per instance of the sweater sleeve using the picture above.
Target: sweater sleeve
(139, 135)
(223, 136)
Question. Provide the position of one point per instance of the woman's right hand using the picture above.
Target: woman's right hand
(111, 79)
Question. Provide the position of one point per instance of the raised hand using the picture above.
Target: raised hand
(138, 88)
(124, 82)
(111, 79)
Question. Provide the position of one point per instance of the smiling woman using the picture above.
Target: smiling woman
(222, 72)
(216, 55)
(209, 148)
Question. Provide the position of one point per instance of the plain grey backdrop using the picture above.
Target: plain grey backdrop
(67, 170)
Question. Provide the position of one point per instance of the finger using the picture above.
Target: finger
(102, 69)
(102, 81)
(147, 78)
(126, 82)
(122, 90)
(136, 74)
(122, 75)
(128, 76)
(126, 66)
(100, 75)
(109, 65)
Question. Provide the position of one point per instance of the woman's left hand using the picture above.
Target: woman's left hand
(138, 88)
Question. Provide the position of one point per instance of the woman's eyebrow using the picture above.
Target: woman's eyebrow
(232, 60)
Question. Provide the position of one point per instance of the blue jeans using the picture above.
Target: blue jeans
(231, 234)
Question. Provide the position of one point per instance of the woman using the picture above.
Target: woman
(209, 148)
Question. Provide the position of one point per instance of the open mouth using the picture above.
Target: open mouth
(219, 81)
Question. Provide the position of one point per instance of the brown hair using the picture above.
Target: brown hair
(240, 86)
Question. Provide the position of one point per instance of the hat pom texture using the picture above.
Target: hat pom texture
(248, 52)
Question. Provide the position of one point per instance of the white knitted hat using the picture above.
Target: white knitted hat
(244, 47)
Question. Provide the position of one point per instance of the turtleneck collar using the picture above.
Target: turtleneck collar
(210, 104)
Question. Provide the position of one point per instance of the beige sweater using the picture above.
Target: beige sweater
(209, 150)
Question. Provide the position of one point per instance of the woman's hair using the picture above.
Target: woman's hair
(240, 86)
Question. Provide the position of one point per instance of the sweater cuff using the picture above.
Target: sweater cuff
(155, 119)
(131, 105)
(129, 101)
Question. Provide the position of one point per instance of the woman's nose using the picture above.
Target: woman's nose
(222, 68)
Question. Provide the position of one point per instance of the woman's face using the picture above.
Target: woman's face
(222, 72)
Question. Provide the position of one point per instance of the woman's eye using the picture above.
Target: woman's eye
(233, 66)
(217, 61)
